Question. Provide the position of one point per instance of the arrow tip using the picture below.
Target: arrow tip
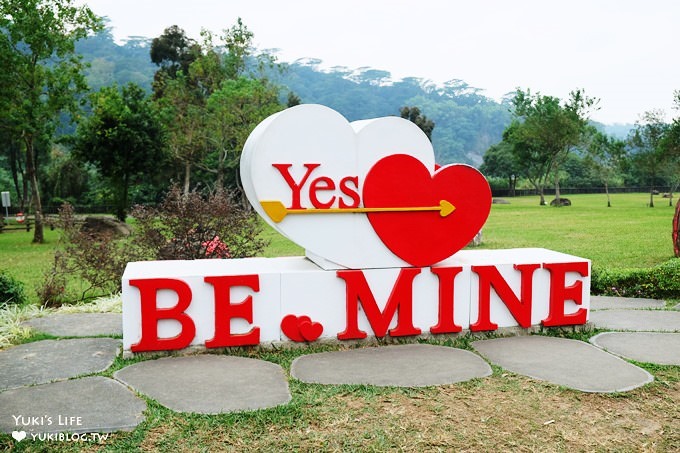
(275, 210)
(445, 208)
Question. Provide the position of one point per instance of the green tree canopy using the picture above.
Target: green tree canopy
(210, 106)
(604, 156)
(123, 139)
(499, 161)
(173, 51)
(41, 75)
(413, 115)
(648, 150)
(233, 112)
(544, 130)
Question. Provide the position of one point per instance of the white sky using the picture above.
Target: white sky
(621, 51)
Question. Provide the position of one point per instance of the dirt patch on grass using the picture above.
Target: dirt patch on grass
(502, 412)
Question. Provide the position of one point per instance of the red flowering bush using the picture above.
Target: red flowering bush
(192, 226)
(185, 227)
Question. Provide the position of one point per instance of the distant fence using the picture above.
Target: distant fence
(54, 209)
(565, 191)
(82, 209)
(548, 191)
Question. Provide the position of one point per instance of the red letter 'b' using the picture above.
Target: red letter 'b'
(151, 314)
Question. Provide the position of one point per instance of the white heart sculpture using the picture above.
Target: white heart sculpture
(314, 134)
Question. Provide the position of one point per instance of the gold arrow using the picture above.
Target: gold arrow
(277, 211)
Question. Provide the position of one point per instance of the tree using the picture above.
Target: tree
(500, 161)
(182, 111)
(123, 139)
(173, 52)
(66, 179)
(545, 130)
(41, 75)
(15, 156)
(671, 145)
(648, 148)
(209, 105)
(534, 163)
(604, 155)
(413, 115)
(232, 112)
(293, 100)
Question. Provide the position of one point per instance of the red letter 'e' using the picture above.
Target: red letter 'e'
(225, 311)
(559, 293)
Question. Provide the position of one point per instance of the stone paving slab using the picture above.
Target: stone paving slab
(650, 347)
(609, 302)
(569, 363)
(51, 360)
(78, 324)
(92, 404)
(637, 320)
(209, 384)
(415, 365)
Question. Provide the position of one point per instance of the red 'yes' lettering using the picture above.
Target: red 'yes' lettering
(323, 191)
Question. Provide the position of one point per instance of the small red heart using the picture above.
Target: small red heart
(423, 238)
(310, 330)
(290, 328)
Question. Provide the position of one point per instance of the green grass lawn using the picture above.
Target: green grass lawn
(24, 260)
(627, 235)
(502, 412)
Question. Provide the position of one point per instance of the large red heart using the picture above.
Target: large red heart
(423, 238)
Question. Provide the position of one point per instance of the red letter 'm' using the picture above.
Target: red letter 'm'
(401, 298)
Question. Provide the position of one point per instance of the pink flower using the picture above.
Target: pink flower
(215, 248)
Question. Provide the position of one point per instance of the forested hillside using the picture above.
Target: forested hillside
(466, 122)
(111, 63)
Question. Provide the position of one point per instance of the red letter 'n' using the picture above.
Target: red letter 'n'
(519, 308)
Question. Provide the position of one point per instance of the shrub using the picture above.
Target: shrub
(98, 260)
(11, 290)
(658, 282)
(182, 227)
(187, 227)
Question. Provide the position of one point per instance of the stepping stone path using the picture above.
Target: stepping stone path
(209, 384)
(78, 324)
(653, 347)
(78, 405)
(52, 360)
(608, 303)
(637, 320)
(570, 363)
(415, 365)
(91, 404)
